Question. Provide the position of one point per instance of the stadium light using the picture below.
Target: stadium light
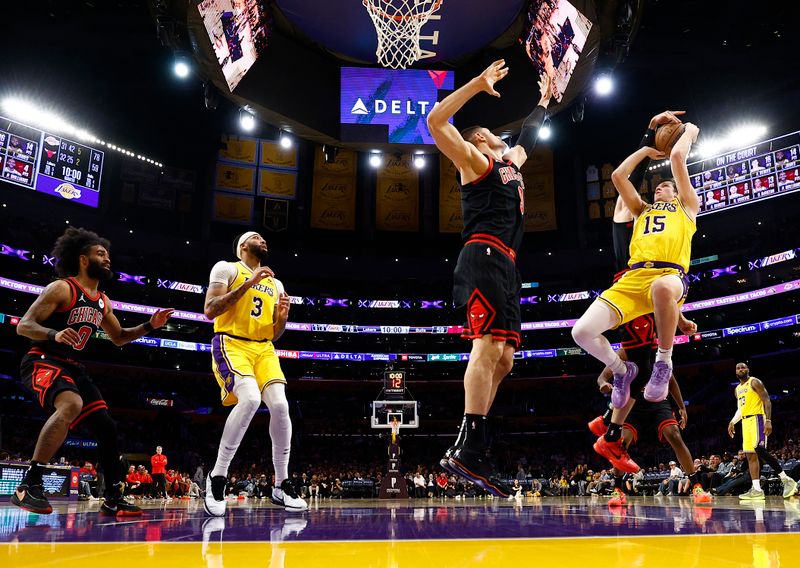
(286, 140)
(33, 115)
(181, 66)
(419, 161)
(546, 131)
(737, 137)
(604, 83)
(247, 121)
(375, 159)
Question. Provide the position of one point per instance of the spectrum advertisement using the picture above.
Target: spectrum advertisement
(390, 105)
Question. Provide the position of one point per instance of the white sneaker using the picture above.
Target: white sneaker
(287, 497)
(789, 487)
(214, 503)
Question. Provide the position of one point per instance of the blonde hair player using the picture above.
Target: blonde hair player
(660, 252)
(754, 411)
(250, 309)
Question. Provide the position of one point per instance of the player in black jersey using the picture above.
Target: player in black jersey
(486, 280)
(59, 323)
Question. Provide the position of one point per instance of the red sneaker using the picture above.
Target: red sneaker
(598, 427)
(618, 498)
(699, 495)
(617, 454)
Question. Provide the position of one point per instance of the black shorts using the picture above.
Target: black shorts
(46, 376)
(650, 417)
(487, 284)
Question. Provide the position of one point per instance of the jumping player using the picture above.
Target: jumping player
(486, 280)
(660, 254)
(754, 411)
(59, 323)
(250, 309)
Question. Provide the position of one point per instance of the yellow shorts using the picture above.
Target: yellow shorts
(753, 434)
(238, 358)
(630, 296)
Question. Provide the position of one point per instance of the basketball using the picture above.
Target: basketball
(667, 135)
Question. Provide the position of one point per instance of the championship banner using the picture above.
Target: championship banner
(397, 195)
(333, 197)
(240, 179)
(239, 149)
(230, 208)
(451, 219)
(274, 155)
(540, 199)
(274, 183)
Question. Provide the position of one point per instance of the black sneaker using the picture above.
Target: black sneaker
(31, 498)
(445, 461)
(476, 467)
(115, 504)
(286, 496)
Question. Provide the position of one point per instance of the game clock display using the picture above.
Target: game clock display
(761, 171)
(49, 163)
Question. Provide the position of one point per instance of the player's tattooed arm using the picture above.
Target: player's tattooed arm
(219, 300)
(56, 295)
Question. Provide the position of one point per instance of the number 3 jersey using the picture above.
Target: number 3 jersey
(83, 314)
(251, 317)
(663, 232)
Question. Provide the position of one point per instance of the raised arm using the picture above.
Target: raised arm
(649, 139)
(622, 183)
(464, 155)
(680, 172)
(219, 300)
(529, 135)
(121, 335)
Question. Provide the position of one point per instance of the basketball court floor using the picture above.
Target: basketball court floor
(649, 532)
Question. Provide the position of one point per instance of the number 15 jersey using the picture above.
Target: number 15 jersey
(663, 232)
(251, 317)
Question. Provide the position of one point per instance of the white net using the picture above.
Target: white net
(398, 24)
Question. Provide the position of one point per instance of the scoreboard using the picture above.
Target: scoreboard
(50, 163)
(764, 170)
(394, 384)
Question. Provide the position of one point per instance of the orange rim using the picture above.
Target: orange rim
(398, 18)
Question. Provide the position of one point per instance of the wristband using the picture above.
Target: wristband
(51, 335)
(148, 327)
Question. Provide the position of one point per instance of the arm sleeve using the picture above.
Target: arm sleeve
(737, 417)
(637, 176)
(223, 273)
(530, 129)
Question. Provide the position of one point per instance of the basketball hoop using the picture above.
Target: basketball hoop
(395, 424)
(398, 23)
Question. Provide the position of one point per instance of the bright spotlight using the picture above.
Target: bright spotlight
(181, 68)
(545, 132)
(419, 161)
(375, 159)
(286, 140)
(604, 84)
(744, 135)
(247, 121)
(711, 147)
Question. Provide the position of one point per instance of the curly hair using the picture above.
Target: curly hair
(71, 245)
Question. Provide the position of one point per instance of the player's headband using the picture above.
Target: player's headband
(242, 239)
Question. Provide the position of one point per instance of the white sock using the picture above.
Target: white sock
(618, 367)
(757, 484)
(280, 429)
(664, 355)
(246, 390)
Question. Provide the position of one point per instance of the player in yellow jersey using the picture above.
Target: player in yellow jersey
(250, 309)
(660, 252)
(754, 411)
